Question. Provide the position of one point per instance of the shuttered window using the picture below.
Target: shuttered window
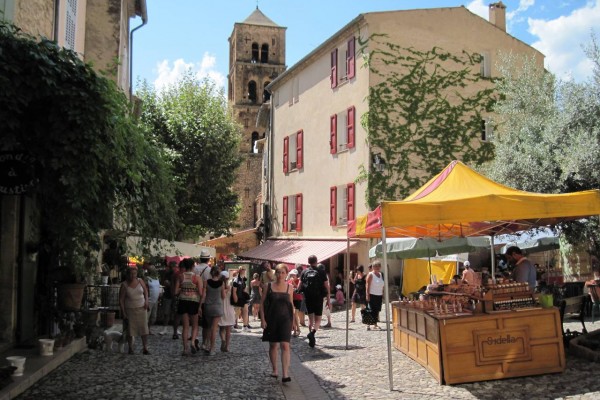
(299, 149)
(332, 206)
(333, 77)
(286, 154)
(298, 212)
(350, 202)
(350, 59)
(71, 24)
(350, 122)
(284, 221)
(333, 134)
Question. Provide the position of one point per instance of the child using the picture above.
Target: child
(339, 297)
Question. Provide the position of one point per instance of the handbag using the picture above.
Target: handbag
(368, 316)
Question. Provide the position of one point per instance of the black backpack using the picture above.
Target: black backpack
(312, 284)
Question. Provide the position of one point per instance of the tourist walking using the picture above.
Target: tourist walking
(276, 320)
(359, 296)
(133, 299)
(153, 296)
(294, 282)
(255, 295)
(374, 292)
(314, 287)
(212, 298)
(228, 319)
(189, 289)
(240, 297)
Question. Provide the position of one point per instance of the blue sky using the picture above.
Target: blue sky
(183, 34)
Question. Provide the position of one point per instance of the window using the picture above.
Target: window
(292, 213)
(293, 152)
(350, 60)
(341, 204)
(254, 52)
(487, 130)
(264, 53)
(343, 56)
(333, 76)
(342, 130)
(295, 89)
(252, 91)
(254, 140)
(266, 94)
(6, 10)
(70, 27)
(486, 65)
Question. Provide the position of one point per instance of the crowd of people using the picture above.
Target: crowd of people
(212, 302)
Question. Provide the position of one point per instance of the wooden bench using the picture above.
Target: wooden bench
(572, 307)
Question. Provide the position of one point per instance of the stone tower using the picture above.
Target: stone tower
(256, 58)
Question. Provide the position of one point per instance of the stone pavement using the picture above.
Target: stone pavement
(328, 371)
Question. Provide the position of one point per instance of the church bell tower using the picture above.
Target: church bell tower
(256, 58)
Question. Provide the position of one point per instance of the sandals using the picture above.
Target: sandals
(286, 379)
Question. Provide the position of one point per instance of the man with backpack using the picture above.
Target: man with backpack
(314, 286)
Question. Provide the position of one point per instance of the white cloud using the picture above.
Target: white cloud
(562, 39)
(480, 8)
(169, 73)
(524, 5)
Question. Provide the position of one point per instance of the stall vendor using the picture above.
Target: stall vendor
(468, 275)
(524, 270)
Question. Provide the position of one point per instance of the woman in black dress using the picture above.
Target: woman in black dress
(360, 291)
(277, 313)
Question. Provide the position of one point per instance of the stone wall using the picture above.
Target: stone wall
(247, 186)
(35, 17)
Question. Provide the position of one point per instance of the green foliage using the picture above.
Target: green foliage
(425, 112)
(92, 160)
(549, 136)
(191, 121)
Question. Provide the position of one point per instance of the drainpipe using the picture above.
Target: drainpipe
(270, 170)
(144, 22)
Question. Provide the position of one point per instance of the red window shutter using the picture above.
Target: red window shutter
(350, 204)
(350, 64)
(299, 151)
(299, 212)
(285, 214)
(350, 126)
(333, 134)
(286, 156)
(333, 76)
(332, 204)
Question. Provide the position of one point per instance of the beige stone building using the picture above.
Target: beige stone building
(256, 58)
(100, 32)
(317, 143)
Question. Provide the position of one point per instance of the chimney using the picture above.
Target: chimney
(498, 15)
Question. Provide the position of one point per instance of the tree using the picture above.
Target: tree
(425, 111)
(91, 160)
(191, 121)
(548, 137)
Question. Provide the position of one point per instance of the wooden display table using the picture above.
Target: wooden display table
(481, 347)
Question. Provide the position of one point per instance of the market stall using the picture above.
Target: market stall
(459, 202)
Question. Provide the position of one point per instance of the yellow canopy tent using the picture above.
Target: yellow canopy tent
(461, 202)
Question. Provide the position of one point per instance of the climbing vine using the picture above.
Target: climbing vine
(425, 110)
(93, 165)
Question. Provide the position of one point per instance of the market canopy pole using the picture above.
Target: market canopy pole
(347, 284)
(493, 260)
(386, 293)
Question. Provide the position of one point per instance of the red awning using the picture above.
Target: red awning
(296, 251)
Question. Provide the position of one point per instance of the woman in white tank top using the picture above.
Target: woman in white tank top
(375, 287)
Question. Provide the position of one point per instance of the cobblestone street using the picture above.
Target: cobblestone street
(327, 371)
